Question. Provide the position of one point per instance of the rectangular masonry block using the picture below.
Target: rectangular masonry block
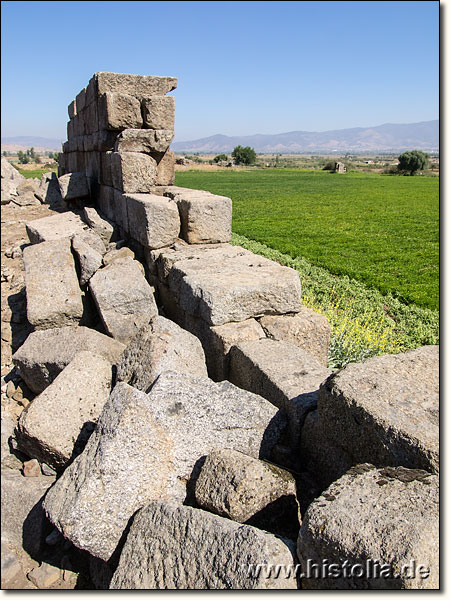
(166, 169)
(106, 162)
(153, 220)
(70, 133)
(144, 140)
(158, 112)
(91, 118)
(71, 109)
(205, 218)
(133, 172)
(93, 165)
(104, 141)
(119, 111)
(121, 211)
(140, 86)
(105, 202)
(80, 101)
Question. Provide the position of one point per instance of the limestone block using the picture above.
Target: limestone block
(282, 373)
(166, 170)
(46, 353)
(204, 551)
(26, 199)
(73, 186)
(144, 140)
(105, 202)
(123, 298)
(118, 111)
(385, 410)
(53, 294)
(53, 431)
(158, 112)
(91, 118)
(106, 166)
(306, 329)
(80, 101)
(152, 220)
(89, 260)
(249, 490)
(205, 218)
(387, 516)
(228, 283)
(56, 227)
(145, 447)
(139, 86)
(133, 172)
(160, 346)
(99, 225)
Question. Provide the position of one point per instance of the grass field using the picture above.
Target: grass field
(378, 229)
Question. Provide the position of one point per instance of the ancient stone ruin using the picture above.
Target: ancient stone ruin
(191, 432)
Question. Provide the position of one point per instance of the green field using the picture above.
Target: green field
(378, 229)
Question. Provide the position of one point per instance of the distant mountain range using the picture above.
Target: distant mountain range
(382, 138)
(21, 142)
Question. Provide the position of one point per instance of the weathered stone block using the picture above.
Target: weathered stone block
(91, 120)
(118, 111)
(98, 224)
(160, 346)
(306, 329)
(93, 166)
(56, 227)
(46, 353)
(80, 101)
(205, 218)
(105, 202)
(73, 186)
(123, 297)
(370, 518)
(54, 431)
(133, 172)
(152, 220)
(165, 170)
(204, 551)
(282, 373)
(89, 259)
(248, 490)
(106, 165)
(72, 110)
(159, 112)
(53, 294)
(146, 447)
(139, 86)
(144, 140)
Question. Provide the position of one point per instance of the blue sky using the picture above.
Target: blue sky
(242, 67)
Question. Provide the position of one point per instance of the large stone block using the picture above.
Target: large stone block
(282, 373)
(118, 111)
(46, 353)
(144, 140)
(80, 101)
(160, 346)
(158, 112)
(147, 447)
(228, 283)
(105, 202)
(384, 410)
(306, 329)
(179, 547)
(249, 490)
(73, 186)
(56, 227)
(98, 224)
(165, 170)
(140, 86)
(153, 220)
(89, 260)
(91, 123)
(377, 526)
(52, 430)
(205, 217)
(123, 297)
(53, 293)
(133, 172)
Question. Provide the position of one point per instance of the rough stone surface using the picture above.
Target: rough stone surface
(44, 575)
(123, 297)
(282, 373)
(118, 111)
(63, 225)
(248, 490)
(26, 199)
(144, 140)
(204, 551)
(89, 260)
(146, 446)
(31, 468)
(140, 86)
(158, 112)
(53, 293)
(228, 283)
(384, 410)
(165, 175)
(153, 220)
(388, 515)
(133, 172)
(306, 329)
(10, 179)
(101, 226)
(57, 424)
(162, 345)
(205, 218)
(46, 353)
(23, 521)
(73, 186)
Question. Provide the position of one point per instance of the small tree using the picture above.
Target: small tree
(244, 155)
(413, 161)
(220, 157)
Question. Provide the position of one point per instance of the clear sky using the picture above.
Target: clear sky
(242, 67)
